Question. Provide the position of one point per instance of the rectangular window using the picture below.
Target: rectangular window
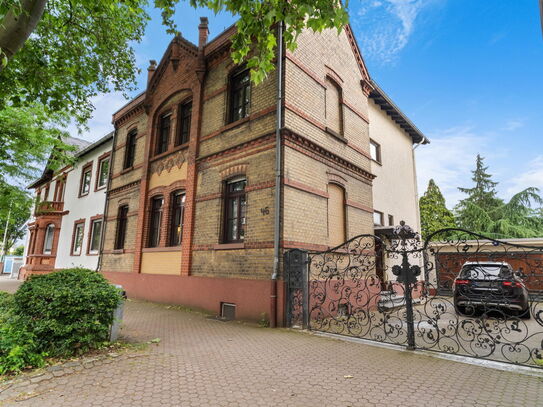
(240, 90)
(77, 242)
(103, 173)
(155, 218)
(130, 149)
(375, 151)
(235, 211)
(176, 218)
(185, 112)
(122, 221)
(163, 136)
(378, 218)
(390, 220)
(49, 236)
(95, 236)
(86, 176)
(59, 189)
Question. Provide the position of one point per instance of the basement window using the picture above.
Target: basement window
(228, 311)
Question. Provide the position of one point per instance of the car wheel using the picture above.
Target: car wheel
(460, 309)
(525, 314)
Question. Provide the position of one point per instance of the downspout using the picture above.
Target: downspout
(417, 226)
(106, 201)
(278, 163)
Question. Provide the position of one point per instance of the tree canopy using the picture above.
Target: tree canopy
(434, 214)
(56, 55)
(482, 211)
(15, 205)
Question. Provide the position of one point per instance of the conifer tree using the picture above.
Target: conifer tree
(434, 214)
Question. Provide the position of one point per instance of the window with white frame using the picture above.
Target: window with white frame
(375, 151)
(49, 237)
(77, 241)
(95, 236)
(378, 218)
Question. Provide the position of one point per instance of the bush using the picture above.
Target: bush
(68, 312)
(18, 346)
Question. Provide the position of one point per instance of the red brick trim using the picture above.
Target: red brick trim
(233, 246)
(118, 251)
(126, 170)
(238, 169)
(214, 93)
(289, 244)
(356, 111)
(260, 185)
(314, 150)
(84, 169)
(265, 139)
(305, 116)
(357, 205)
(77, 222)
(359, 150)
(333, 75)
(238, 155)
(306, 70)
(89, 233)
(305, 188)
(208, 197)
(251, 117)
(123, 188)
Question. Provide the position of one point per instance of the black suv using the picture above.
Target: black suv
(486, 286)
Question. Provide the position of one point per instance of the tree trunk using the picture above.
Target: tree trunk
(15, 29)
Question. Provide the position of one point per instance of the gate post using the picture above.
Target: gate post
(406, 274)
(297, 304)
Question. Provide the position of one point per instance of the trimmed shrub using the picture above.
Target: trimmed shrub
(69, 312)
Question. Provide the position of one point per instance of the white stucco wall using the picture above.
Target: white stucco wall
(83, 207)
(394, 188)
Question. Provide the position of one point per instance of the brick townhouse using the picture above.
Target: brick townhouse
(191, 212)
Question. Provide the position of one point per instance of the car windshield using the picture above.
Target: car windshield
(486, 272)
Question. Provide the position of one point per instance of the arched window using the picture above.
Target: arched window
(177, 208)
(49, 237)
(336, 215)
(155, 219)
(334, 107)
(235, 201)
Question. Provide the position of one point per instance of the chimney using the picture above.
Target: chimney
(151, 70)
(203, 32)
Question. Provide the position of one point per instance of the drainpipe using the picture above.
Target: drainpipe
(278, 160)
(106, 201)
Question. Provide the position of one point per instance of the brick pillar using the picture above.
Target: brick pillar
(192, 170)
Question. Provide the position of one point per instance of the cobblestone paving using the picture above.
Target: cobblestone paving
(204, 362)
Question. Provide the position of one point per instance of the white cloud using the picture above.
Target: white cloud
(532, 176)
(387, 25)
(100, 123)
(514, 124)
(449, 159)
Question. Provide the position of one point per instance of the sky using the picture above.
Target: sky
(468, 73)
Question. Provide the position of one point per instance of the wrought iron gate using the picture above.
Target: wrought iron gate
(457, 292)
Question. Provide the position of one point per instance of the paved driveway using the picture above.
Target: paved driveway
(204, 362)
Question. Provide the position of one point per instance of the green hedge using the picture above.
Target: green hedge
(56, 315)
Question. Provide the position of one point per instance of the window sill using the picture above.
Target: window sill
(229, 246)
(117, 251)
(236, 123)
(168, 152)
(161, 249)
(377, 162)
(336, 135)
(127, 169)
(83, 195)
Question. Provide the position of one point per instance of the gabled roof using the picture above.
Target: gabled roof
(379, 96)
(82, 147)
